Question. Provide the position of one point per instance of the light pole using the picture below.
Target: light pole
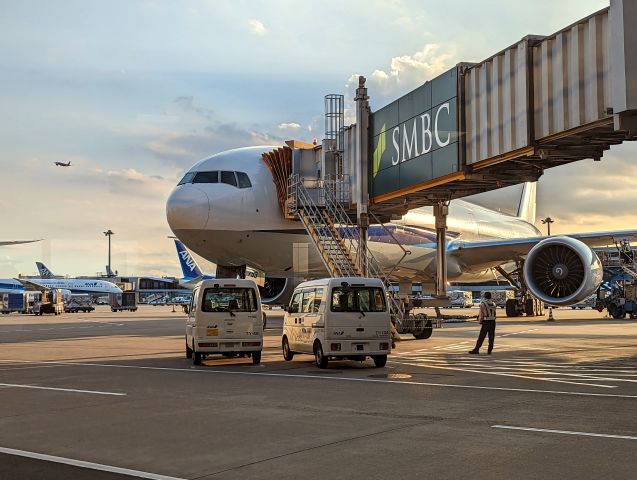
(108, 233)
(547, 221)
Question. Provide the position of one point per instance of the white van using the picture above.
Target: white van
(344, 318)
(224, 317)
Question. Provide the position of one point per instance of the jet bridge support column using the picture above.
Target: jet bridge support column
(441, 209)
(361, 162)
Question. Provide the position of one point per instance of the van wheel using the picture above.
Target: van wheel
(196, 356)
(265, 320)
(188, 351)
(256, 358)
(379, 360)
(319, 357)
(287, 353)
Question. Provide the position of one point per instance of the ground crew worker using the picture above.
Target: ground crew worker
(486, 317)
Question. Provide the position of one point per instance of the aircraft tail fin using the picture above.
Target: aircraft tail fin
(44, 271)
(528, 202)
(189, 266)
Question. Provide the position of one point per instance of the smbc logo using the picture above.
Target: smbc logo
(414, 137)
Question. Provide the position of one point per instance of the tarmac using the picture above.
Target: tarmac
(111, 396)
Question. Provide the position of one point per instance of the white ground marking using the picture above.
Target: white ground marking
(502, 374)
(327, 377)
(565, 432)
(83, 464)
(72, 390)
(517, 333)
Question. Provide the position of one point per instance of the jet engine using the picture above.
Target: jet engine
(277, 291)
(562, 271)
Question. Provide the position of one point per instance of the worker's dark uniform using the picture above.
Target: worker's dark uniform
(487, 319)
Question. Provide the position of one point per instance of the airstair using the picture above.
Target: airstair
(320, 206)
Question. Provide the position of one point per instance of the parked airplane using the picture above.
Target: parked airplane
(62, 164)
(44, 270)
(75, 285)
(226, 209)
(189, 267)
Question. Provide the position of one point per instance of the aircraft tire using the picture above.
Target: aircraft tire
(511, 307)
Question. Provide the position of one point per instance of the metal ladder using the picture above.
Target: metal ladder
(334, 234)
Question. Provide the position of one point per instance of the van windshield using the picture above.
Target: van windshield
(229, 299)
(358, 299)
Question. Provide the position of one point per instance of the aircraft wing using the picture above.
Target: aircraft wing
(31, 285)
(17, 242)
(485, 254)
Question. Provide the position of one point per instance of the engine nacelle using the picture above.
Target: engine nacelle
(562, 271)
(277, 291)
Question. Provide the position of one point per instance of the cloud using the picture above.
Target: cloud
(185, 148)
(289, 126)
(257, 28)
(406, 72)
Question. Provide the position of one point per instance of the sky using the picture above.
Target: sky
(135, 92)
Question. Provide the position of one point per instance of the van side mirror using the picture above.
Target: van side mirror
(284, 307)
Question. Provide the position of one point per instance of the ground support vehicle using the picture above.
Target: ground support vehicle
(51, 303)
(618, 292)
(13, 302)
(224, 317)
(123, 301)
(338, 318)
(79, 302)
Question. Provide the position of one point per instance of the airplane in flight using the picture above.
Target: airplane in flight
(17, 242)
(62, 164)
(225, 208)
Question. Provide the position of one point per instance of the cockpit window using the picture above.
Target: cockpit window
(243, 179)
(236, 179)
(187, 178)
(206, 177)
(229, 178)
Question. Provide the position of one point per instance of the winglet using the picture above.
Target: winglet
(44, 271)
(528, 202)
(189, 266)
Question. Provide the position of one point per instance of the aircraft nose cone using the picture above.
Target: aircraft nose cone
(187, 208)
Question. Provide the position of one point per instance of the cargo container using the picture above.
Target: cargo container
(123, 301)
(460, 298)
(79, 302)
(13, 302)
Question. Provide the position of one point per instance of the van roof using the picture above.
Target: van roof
(336, 282)
(225, 282)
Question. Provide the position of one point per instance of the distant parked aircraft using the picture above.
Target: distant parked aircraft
(62, 164)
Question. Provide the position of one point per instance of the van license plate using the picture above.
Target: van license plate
(212, 332)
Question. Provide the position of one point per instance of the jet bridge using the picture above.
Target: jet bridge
(543, 102)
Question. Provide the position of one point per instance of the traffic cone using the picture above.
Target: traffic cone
(550, 319)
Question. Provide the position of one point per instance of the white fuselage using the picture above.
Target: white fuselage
(74, 285)
(245, 226)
